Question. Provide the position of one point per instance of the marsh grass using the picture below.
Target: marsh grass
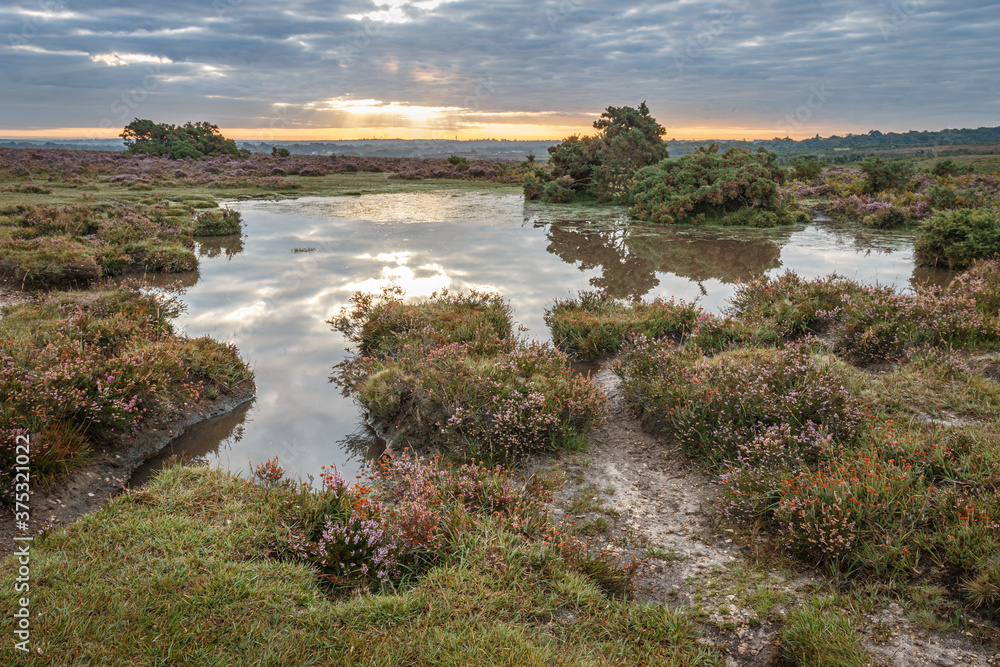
(73, 246)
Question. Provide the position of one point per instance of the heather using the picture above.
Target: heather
(890, 476)
(733, 188)
(80, 370)
(204, 558)
(265, 173)
(445, 373)
(869, 324)
(74, 246)
(594, 325)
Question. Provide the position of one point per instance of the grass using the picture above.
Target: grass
(196, 579)
(817, 635)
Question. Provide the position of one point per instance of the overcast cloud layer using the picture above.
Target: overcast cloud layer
(439, 67)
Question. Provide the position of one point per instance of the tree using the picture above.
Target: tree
(191, 140)
(601, 166)
(883, 174)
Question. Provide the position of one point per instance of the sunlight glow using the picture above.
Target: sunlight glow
(115, 59)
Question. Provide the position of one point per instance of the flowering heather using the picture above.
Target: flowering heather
(872, 324)
(447, 373)
(382, 323)
(264, 171)
(497, 407)
(409, 517)
(85, 368)
(713, 407)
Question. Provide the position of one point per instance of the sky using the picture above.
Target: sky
(523, 69)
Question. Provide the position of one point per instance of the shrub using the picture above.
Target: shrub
(86, 368)
(191, 140)
(601, 166)
(460, 163)
(808, 169)
(890, 217)
(447, 373)
(790, 305)
(955, 239)
(713, 407)
(737, 187)
(224, 222)
(595, 325)
(883, 174)
(949, 167)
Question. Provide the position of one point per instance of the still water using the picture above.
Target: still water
(299, 261)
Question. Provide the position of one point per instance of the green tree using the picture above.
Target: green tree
(601, 166)
(191, 140)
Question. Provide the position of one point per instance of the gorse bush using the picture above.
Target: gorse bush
(955, 239)
(736, 187)
(447, 373)
(882, 174)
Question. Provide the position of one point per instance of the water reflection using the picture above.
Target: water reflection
(213, 246)
(629, 256)
(273, 302)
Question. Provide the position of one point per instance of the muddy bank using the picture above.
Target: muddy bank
(642, 498)
(108, 471)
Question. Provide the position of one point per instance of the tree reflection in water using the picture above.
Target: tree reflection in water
(630, 254)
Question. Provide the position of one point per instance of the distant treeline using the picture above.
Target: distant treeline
(512, 149)
(856, 142)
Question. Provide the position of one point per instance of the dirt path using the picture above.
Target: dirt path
(640, 497)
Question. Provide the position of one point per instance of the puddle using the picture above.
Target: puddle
(299, 261)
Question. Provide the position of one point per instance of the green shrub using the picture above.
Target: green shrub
(891, 217)
(737, 187)
(224, 222)
(949, 167)
(955, 239)
(595, 325)
(808, 169)
(167, 257)
(188, 141)
(460, 163)
(884, 174)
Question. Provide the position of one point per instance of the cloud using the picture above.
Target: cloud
(434, 65)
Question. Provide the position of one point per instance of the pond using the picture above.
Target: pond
(299, 261)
